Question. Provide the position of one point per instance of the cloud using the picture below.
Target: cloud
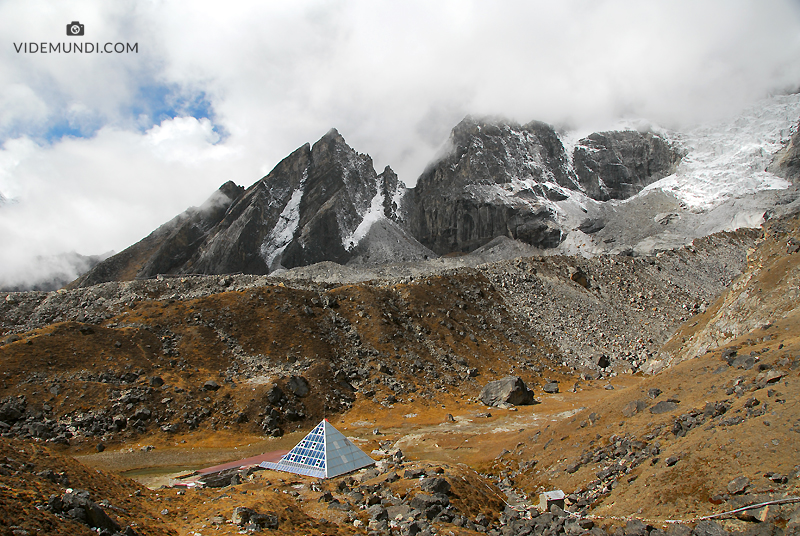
(106, 192)
(99, 149)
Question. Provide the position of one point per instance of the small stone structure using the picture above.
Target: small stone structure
(549, 498)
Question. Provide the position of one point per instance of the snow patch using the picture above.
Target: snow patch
(398, 198)
(373, 214)
(284, 229)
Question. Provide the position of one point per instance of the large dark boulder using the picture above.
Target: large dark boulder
(428, 504)
(435, 485)
(509, 390)
(298, 386)
(619, 164)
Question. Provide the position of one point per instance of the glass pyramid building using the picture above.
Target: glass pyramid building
(323, 453)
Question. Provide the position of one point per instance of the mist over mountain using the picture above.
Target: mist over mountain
(637, 190)
(53, 272)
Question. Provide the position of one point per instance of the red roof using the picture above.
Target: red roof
(273, 456)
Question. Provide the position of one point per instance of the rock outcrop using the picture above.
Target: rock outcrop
(619, 164)
(509, 390)
(495, 181)
(787, 161)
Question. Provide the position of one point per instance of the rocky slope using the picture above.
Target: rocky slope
(713, 432)
(233, 358)
(141, 353)
(619, 310)
(765, 295)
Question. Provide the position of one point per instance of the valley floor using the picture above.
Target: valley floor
(152, 384)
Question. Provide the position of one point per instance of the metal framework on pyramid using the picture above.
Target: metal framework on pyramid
(323, 453)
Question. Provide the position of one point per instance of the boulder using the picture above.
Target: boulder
(298, 386)
(664, 406)
(377, 512)
(509, 390)
(592, 225)
(221, 479)
(550, 387)
(633, 407)
(601, 361)
(241, 515)
(429, 504)
(12, 409)
(709, 527)
(274, 395)
(253, 520)
(636, 527)
(156, 381)
(211, 385)
(738, 485)
(435, 485)
(77, 505)
(579, 276)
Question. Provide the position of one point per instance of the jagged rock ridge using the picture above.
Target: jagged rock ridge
(306, 210)
(315, 205)
(497, 179)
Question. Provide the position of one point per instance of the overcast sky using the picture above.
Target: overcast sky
(97, 150)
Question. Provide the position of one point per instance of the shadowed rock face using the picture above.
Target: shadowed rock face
(184, 242)
(341, 184)
(619, 164)
(495, 181)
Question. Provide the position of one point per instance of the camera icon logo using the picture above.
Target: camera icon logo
(74, 28)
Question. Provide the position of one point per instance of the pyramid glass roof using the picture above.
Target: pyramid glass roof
(323, 453)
